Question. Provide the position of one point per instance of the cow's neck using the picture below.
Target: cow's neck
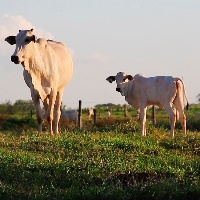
(129, 93)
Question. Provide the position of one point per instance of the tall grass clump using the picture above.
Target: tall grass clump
(130, 126)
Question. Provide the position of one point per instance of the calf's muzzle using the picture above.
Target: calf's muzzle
(118, 89)
(15, 59)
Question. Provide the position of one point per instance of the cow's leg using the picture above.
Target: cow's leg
(50, 109)
(180, 107)
(143, 120)
(35, 99)
(172, 117)
(46, 105)
(36, 102)
(57, 111)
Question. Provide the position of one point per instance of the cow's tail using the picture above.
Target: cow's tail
(184, 92)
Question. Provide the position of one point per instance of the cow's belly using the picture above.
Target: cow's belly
(154, 103)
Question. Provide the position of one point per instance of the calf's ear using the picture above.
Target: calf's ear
(11, 40)
(110, 79)
(129, 77)
(33, 38)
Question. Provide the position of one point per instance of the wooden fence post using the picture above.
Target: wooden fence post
(138, 114)
(154, 115)
(95, 117)
(80, 115)
(125, 110)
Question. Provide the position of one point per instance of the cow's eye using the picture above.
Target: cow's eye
(26, 40)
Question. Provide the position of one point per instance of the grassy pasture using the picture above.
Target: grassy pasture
(109, 161)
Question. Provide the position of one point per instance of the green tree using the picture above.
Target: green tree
(24, 107)
(6, 107)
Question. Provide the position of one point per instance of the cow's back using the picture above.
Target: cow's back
(155, 90)
(63, 61)
(69, 115)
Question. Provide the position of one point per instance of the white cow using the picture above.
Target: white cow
(69, 116)
(90, 113)
(48, 68)
(108, 114)
(162, 91)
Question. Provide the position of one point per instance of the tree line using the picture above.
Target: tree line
(20, 106)
(25, 108)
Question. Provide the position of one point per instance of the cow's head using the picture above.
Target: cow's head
(121, 78)
(23, 41)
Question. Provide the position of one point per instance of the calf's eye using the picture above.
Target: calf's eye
(26, 40)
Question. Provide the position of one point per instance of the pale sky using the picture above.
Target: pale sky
(151, 37)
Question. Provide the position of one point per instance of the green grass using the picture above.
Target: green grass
(108, 161)
(111, 163)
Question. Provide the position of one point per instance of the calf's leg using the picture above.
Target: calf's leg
(143, 120)
(172, 118)
(180, 107)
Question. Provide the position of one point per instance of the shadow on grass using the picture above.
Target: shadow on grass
(31, 182)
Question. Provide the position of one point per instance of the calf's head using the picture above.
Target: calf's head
(121, 78)
(23, 40)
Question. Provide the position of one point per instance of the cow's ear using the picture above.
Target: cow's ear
(110, 79)
(11, 40)
(33, 38)
(129, 77)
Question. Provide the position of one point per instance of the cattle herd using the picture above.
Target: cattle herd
(48, 68)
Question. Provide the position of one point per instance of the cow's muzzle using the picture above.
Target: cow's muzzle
(15, 59)
(118, 89)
